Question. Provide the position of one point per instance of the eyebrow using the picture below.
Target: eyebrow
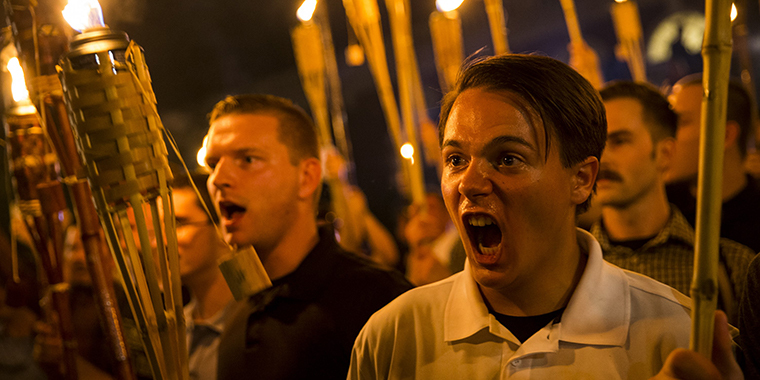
(500, 140)
(618, 134)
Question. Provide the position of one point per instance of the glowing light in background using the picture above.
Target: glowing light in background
(407, 151)
(688, 27)
(620, 1)
(306, 10)
(447, 5)
(201, 156)
(18, 84)
(83, 14)
(734, 12)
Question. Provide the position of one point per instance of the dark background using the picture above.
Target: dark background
(199, 51)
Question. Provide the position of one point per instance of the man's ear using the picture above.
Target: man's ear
(733, 130)
(310, 177)
(584, 177)
(664, 152)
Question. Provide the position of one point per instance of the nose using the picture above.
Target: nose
(476, 180)
(222, 176)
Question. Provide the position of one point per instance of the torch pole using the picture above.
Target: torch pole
(401, 31)
(40, 39)
(498, 24)
(716, 53)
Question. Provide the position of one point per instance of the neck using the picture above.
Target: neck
(292, 248)
(639, 220)
(734, 177)
(211, 293)
(551, 289)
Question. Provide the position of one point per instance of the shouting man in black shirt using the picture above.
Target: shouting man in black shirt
(265, 180)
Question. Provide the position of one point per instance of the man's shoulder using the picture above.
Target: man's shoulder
(650, 291)
(423, 301)
(350, 267)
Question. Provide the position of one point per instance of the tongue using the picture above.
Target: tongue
(489, 236)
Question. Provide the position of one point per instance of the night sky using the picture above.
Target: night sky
(198, 51)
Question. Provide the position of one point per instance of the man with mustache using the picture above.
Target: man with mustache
(265, 179)
(521, 137)
(639, 230)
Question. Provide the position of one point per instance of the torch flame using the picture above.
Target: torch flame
(83, 14)
(447, 5)
(407, 151)
(201, 156)
(734, 12)
(306, 10)
(620, 1)
(18, 84)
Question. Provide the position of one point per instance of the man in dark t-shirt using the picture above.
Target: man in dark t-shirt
(265, 178)
(740, 217)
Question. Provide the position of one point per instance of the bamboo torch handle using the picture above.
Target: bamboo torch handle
(571, 18)
(716, 53)
(498, 24)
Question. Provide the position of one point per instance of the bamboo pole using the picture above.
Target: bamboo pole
(716, 53)
(498, 23)
(40, 39)
(311, 61)
(364, 17)
(406, 71)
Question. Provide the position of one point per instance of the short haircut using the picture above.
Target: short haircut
(199, 179)
(568, 106)
(661, 120)
(295, 130)
(740, 108)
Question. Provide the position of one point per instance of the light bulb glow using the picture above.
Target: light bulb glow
(734, 12)
(620, 1)
(83, 14)
(448, 5)
(201, 156)
(306, 10)
(407, 151)
(18, 83)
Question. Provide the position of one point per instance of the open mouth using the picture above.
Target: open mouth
(483, 233)
(230, 210)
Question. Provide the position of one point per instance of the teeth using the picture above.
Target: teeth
(481, 221)
(488, 250)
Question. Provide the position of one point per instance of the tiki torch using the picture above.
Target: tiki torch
(625, 16)
(364, 17)
(311, 61)
(498, 22)
(716, 54)
(408, 75)
(582, 57)
(42, 203)
(446, 33)
(40, 36)
(112, 109)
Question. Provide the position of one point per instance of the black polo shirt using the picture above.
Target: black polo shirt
(305, 325)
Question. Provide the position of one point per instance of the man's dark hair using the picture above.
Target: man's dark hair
(740, 108)
(568, 106)
(182, 181)
(661, 120)
(296, 130)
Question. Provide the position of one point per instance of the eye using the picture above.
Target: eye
(454, 160)
(211, 164)
(509, 160)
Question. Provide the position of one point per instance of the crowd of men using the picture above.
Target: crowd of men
(508, 285)
(525, 142)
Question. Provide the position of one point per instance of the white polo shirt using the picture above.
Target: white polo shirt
(617, 325)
